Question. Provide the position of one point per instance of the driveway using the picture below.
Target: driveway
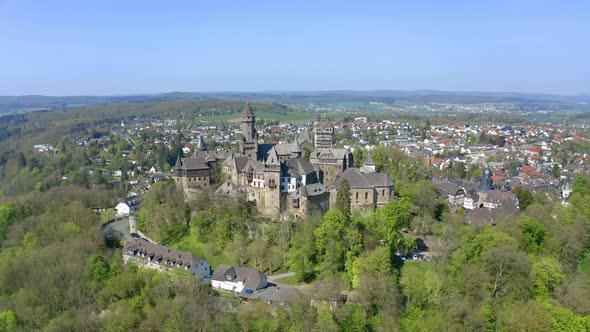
(279, 276)
(118, 227)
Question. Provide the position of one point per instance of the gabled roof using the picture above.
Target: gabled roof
(358, 180)
(273, 157)
(295, 146)
(143, 249)
(251, 278)
(194, 163)
(299, 166)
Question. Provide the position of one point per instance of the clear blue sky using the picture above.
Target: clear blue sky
(123, 47)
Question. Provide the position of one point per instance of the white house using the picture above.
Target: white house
(122, 209)
(237, 279)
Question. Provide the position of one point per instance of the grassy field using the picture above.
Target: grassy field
(289, 281)
(189, 243)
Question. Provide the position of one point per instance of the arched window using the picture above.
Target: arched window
(357, 195)
(366, 196)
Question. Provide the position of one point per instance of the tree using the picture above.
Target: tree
(331, 242)
(581, 185)
(377, 261)
(533, 233)
(325, 321)
(420, 285)
(556, 171)
(306, 153)
(393, 217)
(508, 269)
(7, 214)
(98, 268)
(359, 157)
(7, 321)
(525, 197)
(547, 274)
(343, 198)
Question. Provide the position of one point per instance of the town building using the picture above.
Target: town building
(237, 279)
(154, 256)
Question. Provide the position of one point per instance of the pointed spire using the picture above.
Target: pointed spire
(273, 157)
(369, 161)
(247, 110)
(201, 146)
(178, 164)
(295, 146)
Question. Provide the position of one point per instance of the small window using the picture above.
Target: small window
(366, 196)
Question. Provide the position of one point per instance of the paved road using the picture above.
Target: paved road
(119, 227)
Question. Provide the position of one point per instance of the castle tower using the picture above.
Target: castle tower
(249, 146)
(295, 150)
(272, 180)
(323, 134)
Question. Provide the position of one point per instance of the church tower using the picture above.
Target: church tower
(486, 180)
(249, 146)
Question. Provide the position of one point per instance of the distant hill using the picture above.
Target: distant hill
(18, 104)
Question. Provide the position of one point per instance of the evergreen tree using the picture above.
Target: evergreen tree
(343, 198)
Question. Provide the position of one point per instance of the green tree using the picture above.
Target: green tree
(359, 157)
(98, 268)
(325, 321)
(7, 215)
(330, 238)
(581, 185)
(525, 197)
(556, 171)
(393, 217)
(547, 274)
(7, 321)
(343, 198)
(533, 233)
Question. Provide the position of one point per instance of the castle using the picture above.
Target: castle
(278, 178)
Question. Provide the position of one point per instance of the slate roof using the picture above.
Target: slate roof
(299, 167)
(358, 180)
(311, 190)
(303, 137)
(282, 149)
(247, 110)
(144, 250)
(194, 163)
(251, 278)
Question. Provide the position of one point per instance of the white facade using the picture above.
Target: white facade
(228, 285)
(122, 209)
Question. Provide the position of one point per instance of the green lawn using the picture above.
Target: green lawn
(289, 281)
(189, 243)
(423, 266)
